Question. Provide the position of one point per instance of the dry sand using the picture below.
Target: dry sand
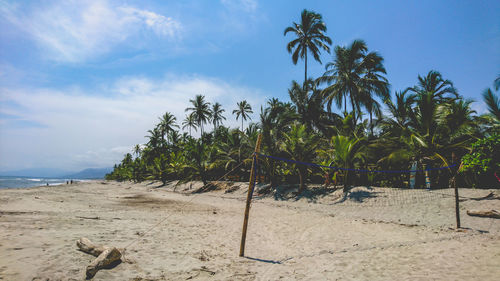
(375, 234)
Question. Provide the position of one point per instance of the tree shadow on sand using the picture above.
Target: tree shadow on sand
(289, 192)
(358, 196)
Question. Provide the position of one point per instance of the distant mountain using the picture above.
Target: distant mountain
(90, 174)
(36, 172)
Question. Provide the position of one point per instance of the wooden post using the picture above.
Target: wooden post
(454, 185)
(457, 207)
(249, 197)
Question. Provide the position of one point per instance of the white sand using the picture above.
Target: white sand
(390, 235)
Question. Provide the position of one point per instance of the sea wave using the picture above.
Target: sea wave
(19, 182)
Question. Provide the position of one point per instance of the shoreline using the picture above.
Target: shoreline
(382, 234)
(59, 181)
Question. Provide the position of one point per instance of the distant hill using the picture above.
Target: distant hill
(90, 174)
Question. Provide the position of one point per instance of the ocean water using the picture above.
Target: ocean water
(20, 182)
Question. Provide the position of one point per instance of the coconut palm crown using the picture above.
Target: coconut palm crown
(217, 116)
(310, 33)
(243, 111)
(200, 110)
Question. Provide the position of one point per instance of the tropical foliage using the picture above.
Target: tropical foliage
(347, 119)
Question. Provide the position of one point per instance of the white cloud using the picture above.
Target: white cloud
(75, 31)
(161, 25)
(248, 6)
(73, 129)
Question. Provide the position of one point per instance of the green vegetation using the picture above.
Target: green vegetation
(483, 161)
(428, 123)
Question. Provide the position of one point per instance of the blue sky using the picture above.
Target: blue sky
(82, 81)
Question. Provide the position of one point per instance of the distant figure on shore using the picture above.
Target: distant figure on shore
(71, 181)
(47, 184)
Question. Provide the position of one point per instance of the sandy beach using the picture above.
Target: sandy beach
(374, 234)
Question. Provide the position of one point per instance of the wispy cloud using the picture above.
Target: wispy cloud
(75, 128)
(75, 31)
(249, 6)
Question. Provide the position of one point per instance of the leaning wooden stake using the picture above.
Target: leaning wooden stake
(249, 197)
(106, 256)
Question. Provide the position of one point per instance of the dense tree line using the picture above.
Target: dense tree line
(428, 123)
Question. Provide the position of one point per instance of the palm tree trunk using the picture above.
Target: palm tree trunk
(242, 125)
(301, 181)
(371, 123)
(305, 73)
(346, 176)
(353, 111)
(345, 103)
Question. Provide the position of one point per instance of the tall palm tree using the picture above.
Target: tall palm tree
(374, 84)
(356, 74)
(310, 33)
(137, 150)
(243, 111)
(189, 122)
(167, 124)
(217, 116)
(200, 110)
(431, 92)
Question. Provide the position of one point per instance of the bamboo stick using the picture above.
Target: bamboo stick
(249, 197)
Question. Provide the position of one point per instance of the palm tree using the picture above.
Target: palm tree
(137, 150)
(300, 145)
(243, 111)
(400, 110)
(311, 37)
(190, 123)
(200, 110)
(155, 138)
(345, 152)
(374, 84)
(441, 90)
(199, 160)
(217, 116)
(274, 122)
(167, 124)
(357, 75)
(493, 103)
(309, 105)
(430, 92)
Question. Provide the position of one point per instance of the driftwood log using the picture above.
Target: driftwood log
(485, 214)
(106, 256)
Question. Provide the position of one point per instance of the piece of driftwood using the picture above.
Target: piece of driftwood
(485, 214)
(109, 257)
(106, 256)
(88, 218)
